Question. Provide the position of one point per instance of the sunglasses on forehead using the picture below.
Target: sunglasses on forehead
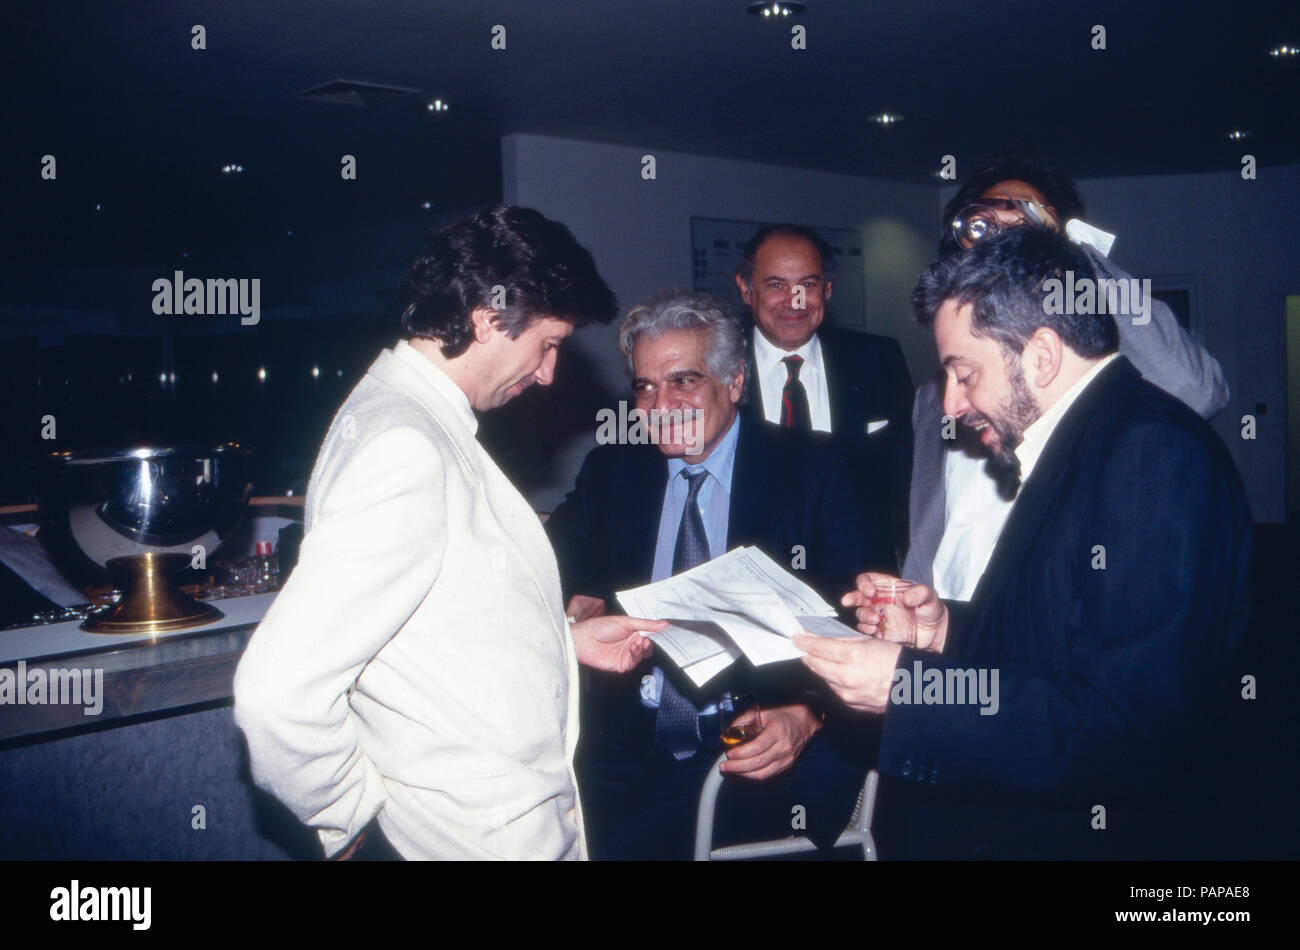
(979, 219)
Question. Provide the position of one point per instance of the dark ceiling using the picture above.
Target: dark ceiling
(141, 123)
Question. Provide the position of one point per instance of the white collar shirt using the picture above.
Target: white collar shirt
(772, 374)
(440, 381)
(975, 512)
(1031, 446)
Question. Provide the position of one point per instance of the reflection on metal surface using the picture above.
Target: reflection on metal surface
(142, 516)
(150, 601)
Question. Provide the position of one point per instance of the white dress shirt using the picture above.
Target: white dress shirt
(417, 666)
(1040, 430)
(772, 374)
(975, 512)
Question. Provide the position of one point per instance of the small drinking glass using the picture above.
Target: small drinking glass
(897, 621)
(740, 718)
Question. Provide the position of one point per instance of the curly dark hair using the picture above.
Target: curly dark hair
(1056, 186)
(528, 265)
(1002, 277)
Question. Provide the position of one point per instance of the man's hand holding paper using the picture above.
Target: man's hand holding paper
(741, 602)
(613, 644)
(861, 672)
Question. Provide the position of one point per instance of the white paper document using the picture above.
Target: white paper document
(741, 602)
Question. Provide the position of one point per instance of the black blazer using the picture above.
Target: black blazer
(867, 380)
(1109, 677)
(787, 488)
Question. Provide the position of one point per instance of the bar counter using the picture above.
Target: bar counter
(160, 772)
(142, 673)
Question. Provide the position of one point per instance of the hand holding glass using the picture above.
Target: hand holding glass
(897, 621)
(740, 719)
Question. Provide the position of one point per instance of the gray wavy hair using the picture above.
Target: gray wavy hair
(688, 310)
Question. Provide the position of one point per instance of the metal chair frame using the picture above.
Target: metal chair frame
(856, 832)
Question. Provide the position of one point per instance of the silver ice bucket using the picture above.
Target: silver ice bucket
(142, 516)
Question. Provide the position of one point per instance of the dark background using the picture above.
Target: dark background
(141, 125)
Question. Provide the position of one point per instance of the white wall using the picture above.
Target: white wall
(639, 232)
(1234, 239)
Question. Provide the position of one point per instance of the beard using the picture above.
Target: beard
(1013, 418)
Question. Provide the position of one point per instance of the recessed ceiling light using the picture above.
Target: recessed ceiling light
(770, 9)
(426, 205)
(439, 105)
(1237, 135)
(1285, 51)
(887, 118)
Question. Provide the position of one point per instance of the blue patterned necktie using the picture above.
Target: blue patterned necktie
(692, 541)
(677, 724)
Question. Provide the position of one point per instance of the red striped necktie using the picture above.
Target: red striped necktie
(794, 398)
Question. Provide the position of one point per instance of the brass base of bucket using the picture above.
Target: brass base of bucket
(151, 601)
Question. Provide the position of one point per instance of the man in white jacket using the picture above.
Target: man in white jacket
(412, 691)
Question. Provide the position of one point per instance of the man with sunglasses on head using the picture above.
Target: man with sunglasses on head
(960, 498)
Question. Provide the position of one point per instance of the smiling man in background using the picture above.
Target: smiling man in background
(807, 375)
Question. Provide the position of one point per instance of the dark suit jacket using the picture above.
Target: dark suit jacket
(1166, 355)
(867, 380)
(1108, 677)
(788, 488)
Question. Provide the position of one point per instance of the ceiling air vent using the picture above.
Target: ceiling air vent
(349, 92)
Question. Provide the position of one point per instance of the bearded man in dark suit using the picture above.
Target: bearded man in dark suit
(1112, 609)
